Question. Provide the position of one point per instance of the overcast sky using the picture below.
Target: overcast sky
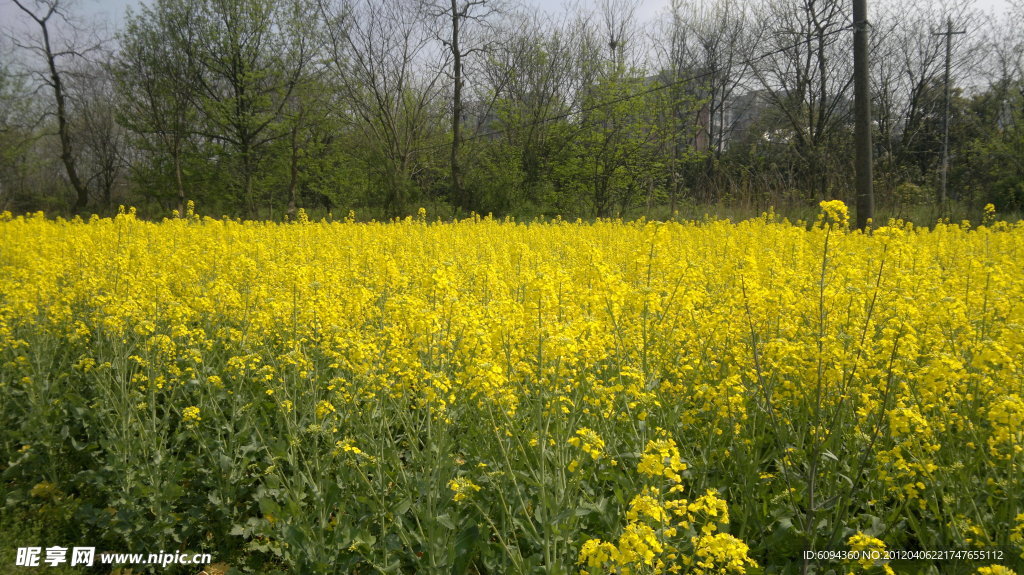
(110, 13)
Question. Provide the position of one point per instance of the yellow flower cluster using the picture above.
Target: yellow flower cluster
(355, 455)
(868, 548)
(1017, 534)
(836, 213)
(1006, 416)
(589, 441)
(995, 570)
(661, 459)
(772, 355)
(324, 408)
(667, 536)
(988, 214)
(908, 466)
(190, 414)
(463, 488)
(666, 533)
(721, 554)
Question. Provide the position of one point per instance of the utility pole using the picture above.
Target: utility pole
(862, 113)
(949, 33)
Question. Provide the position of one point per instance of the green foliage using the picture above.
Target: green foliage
(256, 108)
(496, 177)
(996, 158)
(612, 155)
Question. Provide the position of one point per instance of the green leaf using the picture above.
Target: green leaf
(270, 507)
(465, 548)
(445, 521)
(403, 506)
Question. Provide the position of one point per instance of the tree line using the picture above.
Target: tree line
(255, 108)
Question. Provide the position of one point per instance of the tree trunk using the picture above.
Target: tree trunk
(293, 179)
(459, 195)
(66, 150)
(179, 182)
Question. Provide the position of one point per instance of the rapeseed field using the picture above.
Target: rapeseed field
(495, 397)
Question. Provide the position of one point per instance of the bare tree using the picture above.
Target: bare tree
(618, 20)
(17, 132)
(807, 77)
(389, 84)
(704, 48)
(1005, 41)
(675, 63)
(907, 82)
(723, 43)
(616, 135)
(158, 84)
(101, 140)
(58, 40)
(251, 55)
(458, 19)
(532, 73)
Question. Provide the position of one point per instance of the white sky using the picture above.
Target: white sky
(106, 16)
(111, 12)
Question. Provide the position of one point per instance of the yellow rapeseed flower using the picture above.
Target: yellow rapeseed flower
(463, 488)
(190, 414)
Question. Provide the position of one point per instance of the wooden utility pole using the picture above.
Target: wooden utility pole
(862, 112)
(949, 33)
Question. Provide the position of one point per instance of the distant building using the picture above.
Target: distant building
(741, 113)
(480, 120)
